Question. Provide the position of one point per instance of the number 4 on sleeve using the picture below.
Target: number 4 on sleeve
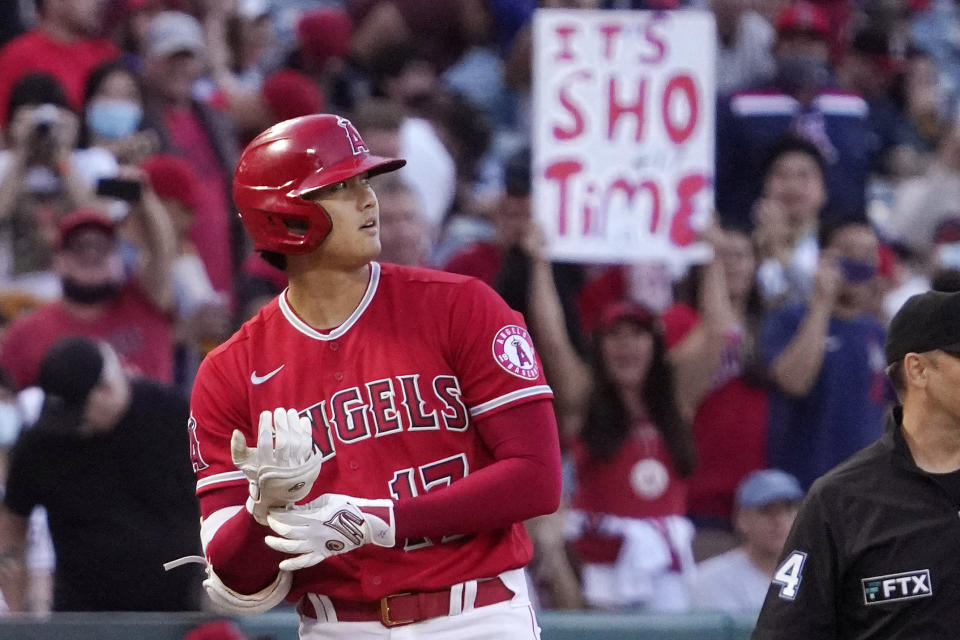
(789, 574)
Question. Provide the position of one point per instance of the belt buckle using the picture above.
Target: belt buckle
(385, 619)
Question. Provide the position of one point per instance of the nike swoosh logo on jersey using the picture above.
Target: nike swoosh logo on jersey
(255, 379)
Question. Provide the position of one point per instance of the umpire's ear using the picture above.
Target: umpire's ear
(916, 369)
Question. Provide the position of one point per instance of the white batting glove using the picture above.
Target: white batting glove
(330, 525)
(283, 466)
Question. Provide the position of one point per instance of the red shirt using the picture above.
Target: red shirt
(140, 333)
(210, 232)
(638, 482)
(729, 428)
(480, 260)
(69, 62)
(392, 393)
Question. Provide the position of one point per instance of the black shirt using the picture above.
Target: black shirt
(872, 553)
(119, 505)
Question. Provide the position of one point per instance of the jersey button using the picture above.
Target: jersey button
(334, 346)
(376, 580)
(338, 376)
(355, 465)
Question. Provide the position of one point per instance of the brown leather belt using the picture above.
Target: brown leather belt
(406, 608)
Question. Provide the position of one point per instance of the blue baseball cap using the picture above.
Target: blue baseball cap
(767, 486)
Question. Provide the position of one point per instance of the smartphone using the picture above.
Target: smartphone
(129, 190)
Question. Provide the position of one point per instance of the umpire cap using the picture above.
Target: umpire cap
(925, 322)
(69, 371)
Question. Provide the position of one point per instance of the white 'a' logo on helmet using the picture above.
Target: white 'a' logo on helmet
(353, 136)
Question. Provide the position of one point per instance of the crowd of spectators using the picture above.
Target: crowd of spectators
(837, 183)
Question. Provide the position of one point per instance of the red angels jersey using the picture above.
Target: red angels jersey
(392, 395)
(638, 482)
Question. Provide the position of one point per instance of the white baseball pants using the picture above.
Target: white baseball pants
(510, 620)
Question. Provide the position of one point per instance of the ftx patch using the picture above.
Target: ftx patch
(897, 586)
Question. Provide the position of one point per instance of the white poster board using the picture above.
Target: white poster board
(623, 133)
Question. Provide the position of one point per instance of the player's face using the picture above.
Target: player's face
(626, 350)
(354, 211)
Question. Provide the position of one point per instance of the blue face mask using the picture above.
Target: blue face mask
(114, 119)
(857, 271)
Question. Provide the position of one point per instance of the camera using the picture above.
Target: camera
(44, 118)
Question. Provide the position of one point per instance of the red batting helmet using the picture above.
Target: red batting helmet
(288, 161)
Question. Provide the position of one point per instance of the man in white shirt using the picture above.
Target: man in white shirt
(737, 581)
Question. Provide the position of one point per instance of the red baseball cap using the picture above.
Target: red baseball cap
(83, 218)
(626, 310)
(325, 33)
(291, 94)
(171, 179)
(803, 17)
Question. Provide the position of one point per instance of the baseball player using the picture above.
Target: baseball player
(368, 445)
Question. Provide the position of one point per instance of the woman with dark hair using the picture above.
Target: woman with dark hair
(113, 114)
(630, 448)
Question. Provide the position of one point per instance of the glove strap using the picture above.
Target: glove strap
(230, 601)
(379, 517)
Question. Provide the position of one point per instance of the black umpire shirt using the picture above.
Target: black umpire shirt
(874, 552)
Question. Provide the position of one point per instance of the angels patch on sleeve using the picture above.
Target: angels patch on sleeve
(513, 351)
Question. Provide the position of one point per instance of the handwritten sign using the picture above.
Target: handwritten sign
(623, 134)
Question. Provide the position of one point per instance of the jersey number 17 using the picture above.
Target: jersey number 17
(439, 473)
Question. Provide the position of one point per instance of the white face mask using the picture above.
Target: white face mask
(10, 423)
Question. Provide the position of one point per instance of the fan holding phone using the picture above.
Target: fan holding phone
(43, 177)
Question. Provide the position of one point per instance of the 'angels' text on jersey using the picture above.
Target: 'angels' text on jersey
(394, 395)
(388, 406)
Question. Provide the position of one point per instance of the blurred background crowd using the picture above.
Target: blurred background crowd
(694, 410)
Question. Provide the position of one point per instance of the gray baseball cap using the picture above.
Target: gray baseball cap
(767, 486)
(173, 32)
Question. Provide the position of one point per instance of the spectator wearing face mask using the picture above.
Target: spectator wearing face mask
(113, 115)
(43, 176)
(803, 101)
(825, 361)
(99, 300)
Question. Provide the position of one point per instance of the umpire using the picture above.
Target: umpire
(873, 551)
